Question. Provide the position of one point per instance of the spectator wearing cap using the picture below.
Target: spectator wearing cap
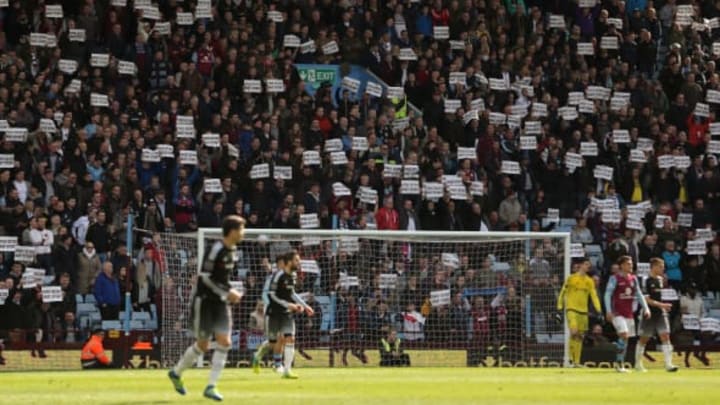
(153, 220)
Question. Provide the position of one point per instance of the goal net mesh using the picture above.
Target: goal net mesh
(454, 299)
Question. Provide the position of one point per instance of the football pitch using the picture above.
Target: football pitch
(370, 386)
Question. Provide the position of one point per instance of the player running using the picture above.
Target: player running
(622, 290)
(284, 302)
(658, 321)
(274, 341)
(573, 299)
(211, 314)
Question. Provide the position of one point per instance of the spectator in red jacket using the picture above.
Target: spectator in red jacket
(387, 218)
(697, 128)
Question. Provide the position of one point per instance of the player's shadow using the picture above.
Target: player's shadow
(142, 402)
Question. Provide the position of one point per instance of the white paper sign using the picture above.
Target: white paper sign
(353, 85)
(274, 85)
(539, 110)
(330, 48)
(660, 220)
(395, 92)
(52, 294)
(710, 325)
(308, 47)
(53, 11)
(407, 54)
(76, 35)
(450, 260)
(573, 160)
(603, 172)
(712, 97)
(20, 134)
(611, 216)
(340, 190)
(704, 234)
(587, 3)
(291, 41)
(368, 195)
(275, 16)
(609, 42)
(338, 158)
(7, 160)
(188, 157)
(457, 78)
(621, 136)
(163, 28)
(452, 105)
(150, 156)
(212, 186)
(457, 45)
(645, 144)
(715, 128)
(681, 161)
(391, 170)
(557, 21)
(697, 247)
(575, 97)
(702, 110)
(68, 66)
(478, 104)
(713, 147)
(127, 68)
(510, 167)
(441, 32)
(252, 86)
(25, 254)
(498, 84)
(586, 107)
(99, 59)
(359, 143)
(388, 281)
(282, 172)
(553, 215)
(166, 151)
(684, 219)
(8, 243)
(577, 250)
(311, 158)
(211, 140)
(477, 188)
(309, 266)
(349, 281)
(373, 89)
(690, 322)
(333, 145)
(99, 100)
(4, 293)
(533, 127)
(668, 294)
(617, 22)
(309, 221)
(466, 153)
(184, 19)
(469, 116)
(588, 149)
(410, 187)
(260, 171)
(568, 113)
(433, 190)
(185, 131)
(440, 298)
(528, 143)
(497, 118)
(585, 48)
(634, 223)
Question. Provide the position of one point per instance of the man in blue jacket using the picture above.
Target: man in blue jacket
(107, 292)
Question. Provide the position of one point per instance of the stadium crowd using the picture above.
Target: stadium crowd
(80, 169)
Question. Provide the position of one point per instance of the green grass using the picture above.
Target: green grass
(370, 386)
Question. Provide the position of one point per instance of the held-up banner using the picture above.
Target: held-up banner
(99, 59)
(282, 172)
(341, 190)
(440, 298)
(643, 269)
(603, 172)
(52, 294)
(212, 186)
(374, 89)
(20, 134)
(260, 171)
(510, 167)
(697, 247)
(8, 243)
(150, 156)
(450, 260)
(690, 322)
(433, 190)
(410, 187)
(166, 151)
(188, 157)
(311, 158)
(99, 100)
(577, 250)
(68, 66)
(388, 281)
(350, 84)
(466, 153)
(309, 221)
(588, 149)
(7, 160)
(573, 160)
(211, 140)
(359, 143)
(252, 86)
(338, 158)
(25, 254)
(621, 136)
(668, 294)
(309, 266)
(684, 219)
(274, 85)
(440, 32)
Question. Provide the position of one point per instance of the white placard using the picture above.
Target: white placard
(539, 110)
(557, 21)
(528, 143)
(440, 298)
(452, 105)
(349, 281)
(603, 172)
(350, 84)
(20, 134)
(349, 244)
(395, 92)
(150, 156)
(450, 260)
(713, 147)
(456, 45)
(588, 149)
(184, 19)
(4, 125)
(399, 124)
(309, 266)
(621, 136)
(681, 161)
(573, 160)
(236, 285)
(330, 48)
(309, 221)
(184, 131)
(690, 322)
(497, 118)
(341, 190)
(166, 151)
(469, 116)
(477, 188)
(660, 220)
(233, 151)
(684, 219)
(634, 223)
(611, 216)
(407, 54)
(710, 325)
(291, 41)
(464, 152)
(668, 294)
(617, 22)
(76, 35)
(338, 158)
(119, 3)
(712, 97)
(163, 28)
(38, 39)
(151, 13)
(25, 254)
(211, 140)
(212, 186)
(585, 48)
(533, 127)
(510, 167)
(704, 234)
(586, 107)
(519, 109)
(275, 16)
(311, 158)
(260, 171)
(411, 172)
(645, 144)
(457, 191)
(568, 113)
(188, 157)
(53, 11)
(99, 59)
(715, 128)
(274, 85)
(184, 120)
(478, 104)
(702, 110)
(587, 3)
(410, 187)
(252, 86)
(514, 121)
(359, 143)
(4, 292)
(575, 97)
(433, 190)
(553, 215)
(99, 100)
(716, 48)
(498, 84)
(7, 160)
(388, 281)
(441, 32)
(374, 89)
(126, 68)
(308, 47)
(333, 145)
(28, 279)
(282, 173)
(457, 78)
(52, 294)
(617, 103)
(392, 170)
(8, 243)
(368, 195)
(577, 250)
(609, 42)
(697, 247)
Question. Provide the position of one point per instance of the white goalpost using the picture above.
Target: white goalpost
(453, 298)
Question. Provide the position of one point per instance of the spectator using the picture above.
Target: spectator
(413, 324)
(672, 265)
(89, 267)
(391, 354)
(107, 293)
(387, 217)
(143, 290)
(93, 354)
(256, 322)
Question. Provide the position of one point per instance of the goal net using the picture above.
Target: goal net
(453, 298)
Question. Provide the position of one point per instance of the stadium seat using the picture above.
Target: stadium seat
(568, 222)
(714, 313)
(79, 298)
(90, 298)
(111, 325)
(47, 280)
(137, 325)
(140, 316)
(83, 308)
(84, 322)
(151, 324)
(153, 310)
(95, 316)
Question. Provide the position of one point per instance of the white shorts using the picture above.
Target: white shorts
(624, 325)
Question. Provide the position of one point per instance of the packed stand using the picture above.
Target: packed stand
(597, 119)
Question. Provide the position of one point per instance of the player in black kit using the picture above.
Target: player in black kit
(210, 307)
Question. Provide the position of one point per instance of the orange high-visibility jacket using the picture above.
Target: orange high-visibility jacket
(93, 350)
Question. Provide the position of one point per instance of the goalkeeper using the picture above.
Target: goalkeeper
(573, 299)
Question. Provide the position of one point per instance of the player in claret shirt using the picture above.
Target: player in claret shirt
(622, 290)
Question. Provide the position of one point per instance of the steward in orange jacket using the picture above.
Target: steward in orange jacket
(93, 355)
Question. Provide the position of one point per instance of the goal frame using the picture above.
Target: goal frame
(203, 233)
